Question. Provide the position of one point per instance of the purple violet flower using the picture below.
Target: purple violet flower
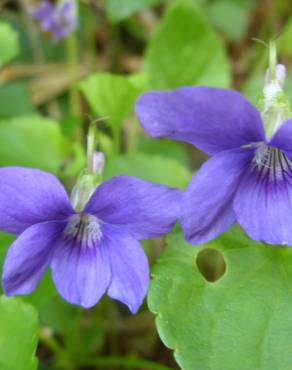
(90, 252)
(249, 176)
(60, 20)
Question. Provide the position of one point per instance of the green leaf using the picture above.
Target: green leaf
(140, 80)
(5, 241)
(18, 335)
(231, 17)
(164, 148)
(149, 167)
(110, 96)
(118, 10)
(185, 51)
(32, 142)
(15, 92)
(241, 321)
(9, 46)
(284, 43)
(253, 88)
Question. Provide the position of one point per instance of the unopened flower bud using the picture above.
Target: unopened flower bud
(82, 191)
(274, 105)
(280, 75)
(98, 163)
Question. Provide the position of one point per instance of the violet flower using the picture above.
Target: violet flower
(91, 251)
(60, 19)
(248, 178)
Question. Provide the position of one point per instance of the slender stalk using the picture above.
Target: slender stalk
(73, 338)
(272, 60)
(116, 140)
(116, 49)
(58, 351)
(32, 33)
(91, 141)
(132, 131)
(38, 54)
(73, 64)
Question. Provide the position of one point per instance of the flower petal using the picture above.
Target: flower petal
(207, 203)
(145, 209)
(29, 196)
(263, 202)
(283, 138)
(81, 273)
(130, 270)
(29, 256)
(44, 11)
(212, 119)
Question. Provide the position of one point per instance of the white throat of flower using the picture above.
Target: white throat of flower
(84, 230)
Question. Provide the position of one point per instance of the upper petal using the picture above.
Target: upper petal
(29, 256)
(130, 270)
(263, 202)
(212, 119)
(283, 138)
(81, 270)
(145, 209)
(207, 209)
(30, 196)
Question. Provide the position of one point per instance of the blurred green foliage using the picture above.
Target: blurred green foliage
(33, 141)
(9, 43)
(118, 11)
(150, 167)
(49, 94)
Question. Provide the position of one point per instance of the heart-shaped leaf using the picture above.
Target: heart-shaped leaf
(242, 321)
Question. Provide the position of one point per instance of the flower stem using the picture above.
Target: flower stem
(73, 64)
(57, 350)
(91, 141)
(272, 60)
(116, 140)
(124, 362)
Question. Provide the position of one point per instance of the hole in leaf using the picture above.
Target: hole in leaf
(211, 264)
